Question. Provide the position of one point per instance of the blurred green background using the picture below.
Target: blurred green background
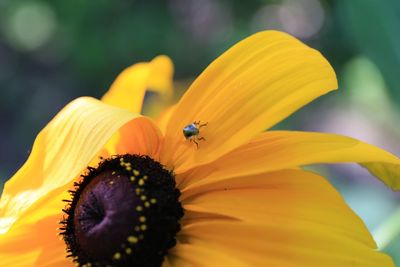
(54, 51)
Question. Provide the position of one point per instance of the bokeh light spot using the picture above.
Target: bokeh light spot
(267, 17)
(301, 18)
(205, 21)
(31, 25)
(366, 84)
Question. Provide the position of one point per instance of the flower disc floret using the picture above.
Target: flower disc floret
(125, 212)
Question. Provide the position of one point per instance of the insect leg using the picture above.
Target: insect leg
(197, 144)
(202, 125)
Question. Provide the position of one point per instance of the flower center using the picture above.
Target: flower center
(123, 213)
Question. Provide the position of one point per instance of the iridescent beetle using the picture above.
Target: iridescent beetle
(192, 131)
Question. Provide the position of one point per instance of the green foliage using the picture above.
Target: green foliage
(373, 30)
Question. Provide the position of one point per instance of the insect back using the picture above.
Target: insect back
(191, 132)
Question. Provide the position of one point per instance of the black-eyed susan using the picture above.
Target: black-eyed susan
(154, 198)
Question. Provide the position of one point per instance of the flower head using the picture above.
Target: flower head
(142, 193)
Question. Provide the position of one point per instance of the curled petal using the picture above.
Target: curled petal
(283, 218)
(129, 88)
(275, 150)
(252, 86)
(62, 150)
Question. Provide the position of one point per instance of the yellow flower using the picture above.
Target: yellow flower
(246, 199)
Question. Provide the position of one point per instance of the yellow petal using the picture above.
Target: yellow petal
(54, 255)
(140, 130)
(284, 244)
(166, 262)
(285, 218)
(61, 151)
(51, 204)
(255, 84)
(201, 255)
(161, 75)
(163, 119)
(290, 196)
(141, 137)
(276, 150)
(39, 241)
(129, 88)
(18, 260)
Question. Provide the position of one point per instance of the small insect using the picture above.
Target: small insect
(192, 131)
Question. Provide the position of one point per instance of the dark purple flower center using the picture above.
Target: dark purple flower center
(125, 212)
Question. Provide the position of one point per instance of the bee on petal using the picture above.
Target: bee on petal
(192, 131)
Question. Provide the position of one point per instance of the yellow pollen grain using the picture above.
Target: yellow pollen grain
(141, 182)
(117, 256)
(147, 204)
(145, 177)
(153, 201)
(142, 219)
(128, 168)
(143, 198)
(139, 208)
(132, 178)
(133, 239)
(137, 191)
(128, 251)
(113, 173)
(136, 172)
(143, 227)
